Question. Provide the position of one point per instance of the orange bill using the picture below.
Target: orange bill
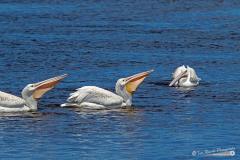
(44, 86)
(134, 81)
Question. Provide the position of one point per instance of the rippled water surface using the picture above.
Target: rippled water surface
(97, 42)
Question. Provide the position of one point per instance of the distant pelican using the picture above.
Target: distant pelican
(184, 77)
(91, 97)
(30, 94)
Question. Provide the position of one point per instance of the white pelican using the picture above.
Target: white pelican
(91, 97)
(184, 77)
(30, 94)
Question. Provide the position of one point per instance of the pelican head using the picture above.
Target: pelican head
(32, 92)
(125, 87)
(185, 77)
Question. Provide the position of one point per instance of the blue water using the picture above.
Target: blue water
(97, 42)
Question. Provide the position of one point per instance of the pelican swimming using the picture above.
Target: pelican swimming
(30, 94)
(184, 77)
(91, 97)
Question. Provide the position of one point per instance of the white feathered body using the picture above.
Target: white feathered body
(92, 97)
(186, 81)
(11, 103)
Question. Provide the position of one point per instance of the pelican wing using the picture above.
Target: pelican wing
(96, 95)
(194, 76)
(10, 101)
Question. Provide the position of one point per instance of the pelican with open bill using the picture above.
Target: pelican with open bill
(30, 94)
(92, 97)
(184, 77)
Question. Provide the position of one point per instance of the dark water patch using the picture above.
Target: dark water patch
(162, 83)
(21, 115)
